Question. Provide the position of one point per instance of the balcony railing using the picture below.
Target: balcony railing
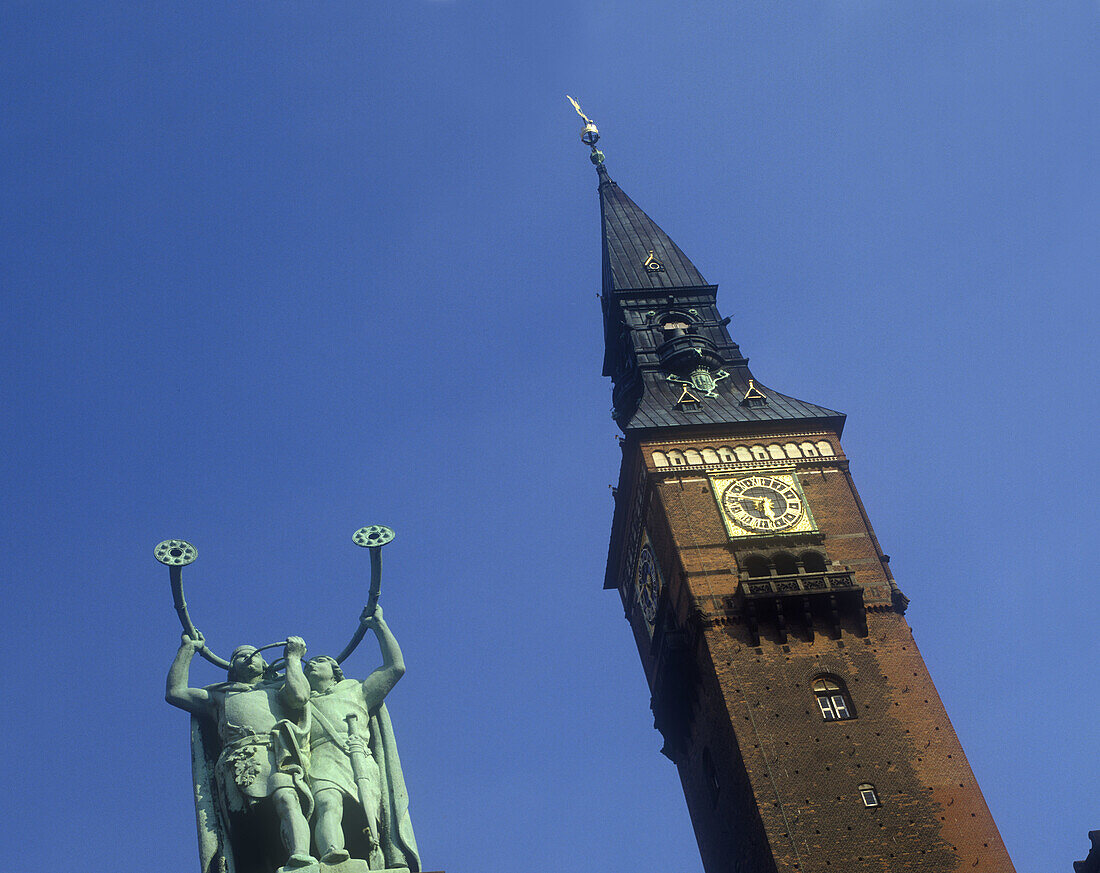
(802, 583)
(808, 602)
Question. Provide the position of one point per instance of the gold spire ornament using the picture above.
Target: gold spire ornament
(590, 135)
(754, 396)
(686, 396)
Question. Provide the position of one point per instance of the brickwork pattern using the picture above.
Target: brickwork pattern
(770, 784)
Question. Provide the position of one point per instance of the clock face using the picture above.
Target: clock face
(762, 504)
(648, 584)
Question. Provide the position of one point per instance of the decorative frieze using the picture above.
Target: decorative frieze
(732, 454)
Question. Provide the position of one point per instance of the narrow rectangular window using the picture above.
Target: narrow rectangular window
(826, 708)
(869, 796)
(839, 705)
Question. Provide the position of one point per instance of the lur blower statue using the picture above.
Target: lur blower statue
(271, 753)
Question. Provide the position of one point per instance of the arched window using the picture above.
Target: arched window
(825, 449)
(710, 456)
(692, 456)
(832, 699)
(792, 450)
(868, 794)
(808, 449)
(757, 566)
(776, 452)
(785, 564)
(659, 459)
(676, 458)
(674, 327)
(760, 453)
(813, 562)
(725, 453)
(742, 453)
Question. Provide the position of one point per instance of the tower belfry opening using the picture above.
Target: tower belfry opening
(784, 679)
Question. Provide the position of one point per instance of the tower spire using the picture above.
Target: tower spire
(663, 332)
(758, 596)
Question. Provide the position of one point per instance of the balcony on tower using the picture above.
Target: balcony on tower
(828, 601)
(686, 350)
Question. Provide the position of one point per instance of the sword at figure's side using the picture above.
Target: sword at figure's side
(360, 769)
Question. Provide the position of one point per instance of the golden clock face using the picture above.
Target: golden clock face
(763, 504)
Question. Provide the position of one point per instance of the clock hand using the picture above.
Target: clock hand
(765, 504)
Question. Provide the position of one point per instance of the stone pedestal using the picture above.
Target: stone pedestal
(352, 865)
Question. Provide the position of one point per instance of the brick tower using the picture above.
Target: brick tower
(785, 680)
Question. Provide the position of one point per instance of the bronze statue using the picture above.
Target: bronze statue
(271, 751)
(262, 726)
(353, 760)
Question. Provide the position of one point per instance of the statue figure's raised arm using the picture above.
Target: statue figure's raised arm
(295, 691)
(194, 700)
(379, 683)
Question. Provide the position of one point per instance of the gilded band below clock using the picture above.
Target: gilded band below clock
(762, 504)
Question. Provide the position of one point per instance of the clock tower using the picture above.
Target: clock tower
(785, 681)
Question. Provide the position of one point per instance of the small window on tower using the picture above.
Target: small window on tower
(832, 700)
(867, 792)
(674, 328)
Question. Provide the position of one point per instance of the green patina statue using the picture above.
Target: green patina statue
(354, 770)
(272, 752)
(263, 742)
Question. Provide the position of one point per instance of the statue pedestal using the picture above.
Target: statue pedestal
(352, 865)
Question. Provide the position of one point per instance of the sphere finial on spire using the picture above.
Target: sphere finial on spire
(590, 135)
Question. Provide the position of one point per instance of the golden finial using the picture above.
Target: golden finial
(590, 135)
(754, 396)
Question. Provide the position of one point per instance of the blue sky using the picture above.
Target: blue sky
(274, 271)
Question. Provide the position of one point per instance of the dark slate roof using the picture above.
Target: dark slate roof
(629, 235)
(657, 407)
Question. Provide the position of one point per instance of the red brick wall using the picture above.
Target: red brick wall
(787, 781)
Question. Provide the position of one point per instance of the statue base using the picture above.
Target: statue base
(352, 865)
